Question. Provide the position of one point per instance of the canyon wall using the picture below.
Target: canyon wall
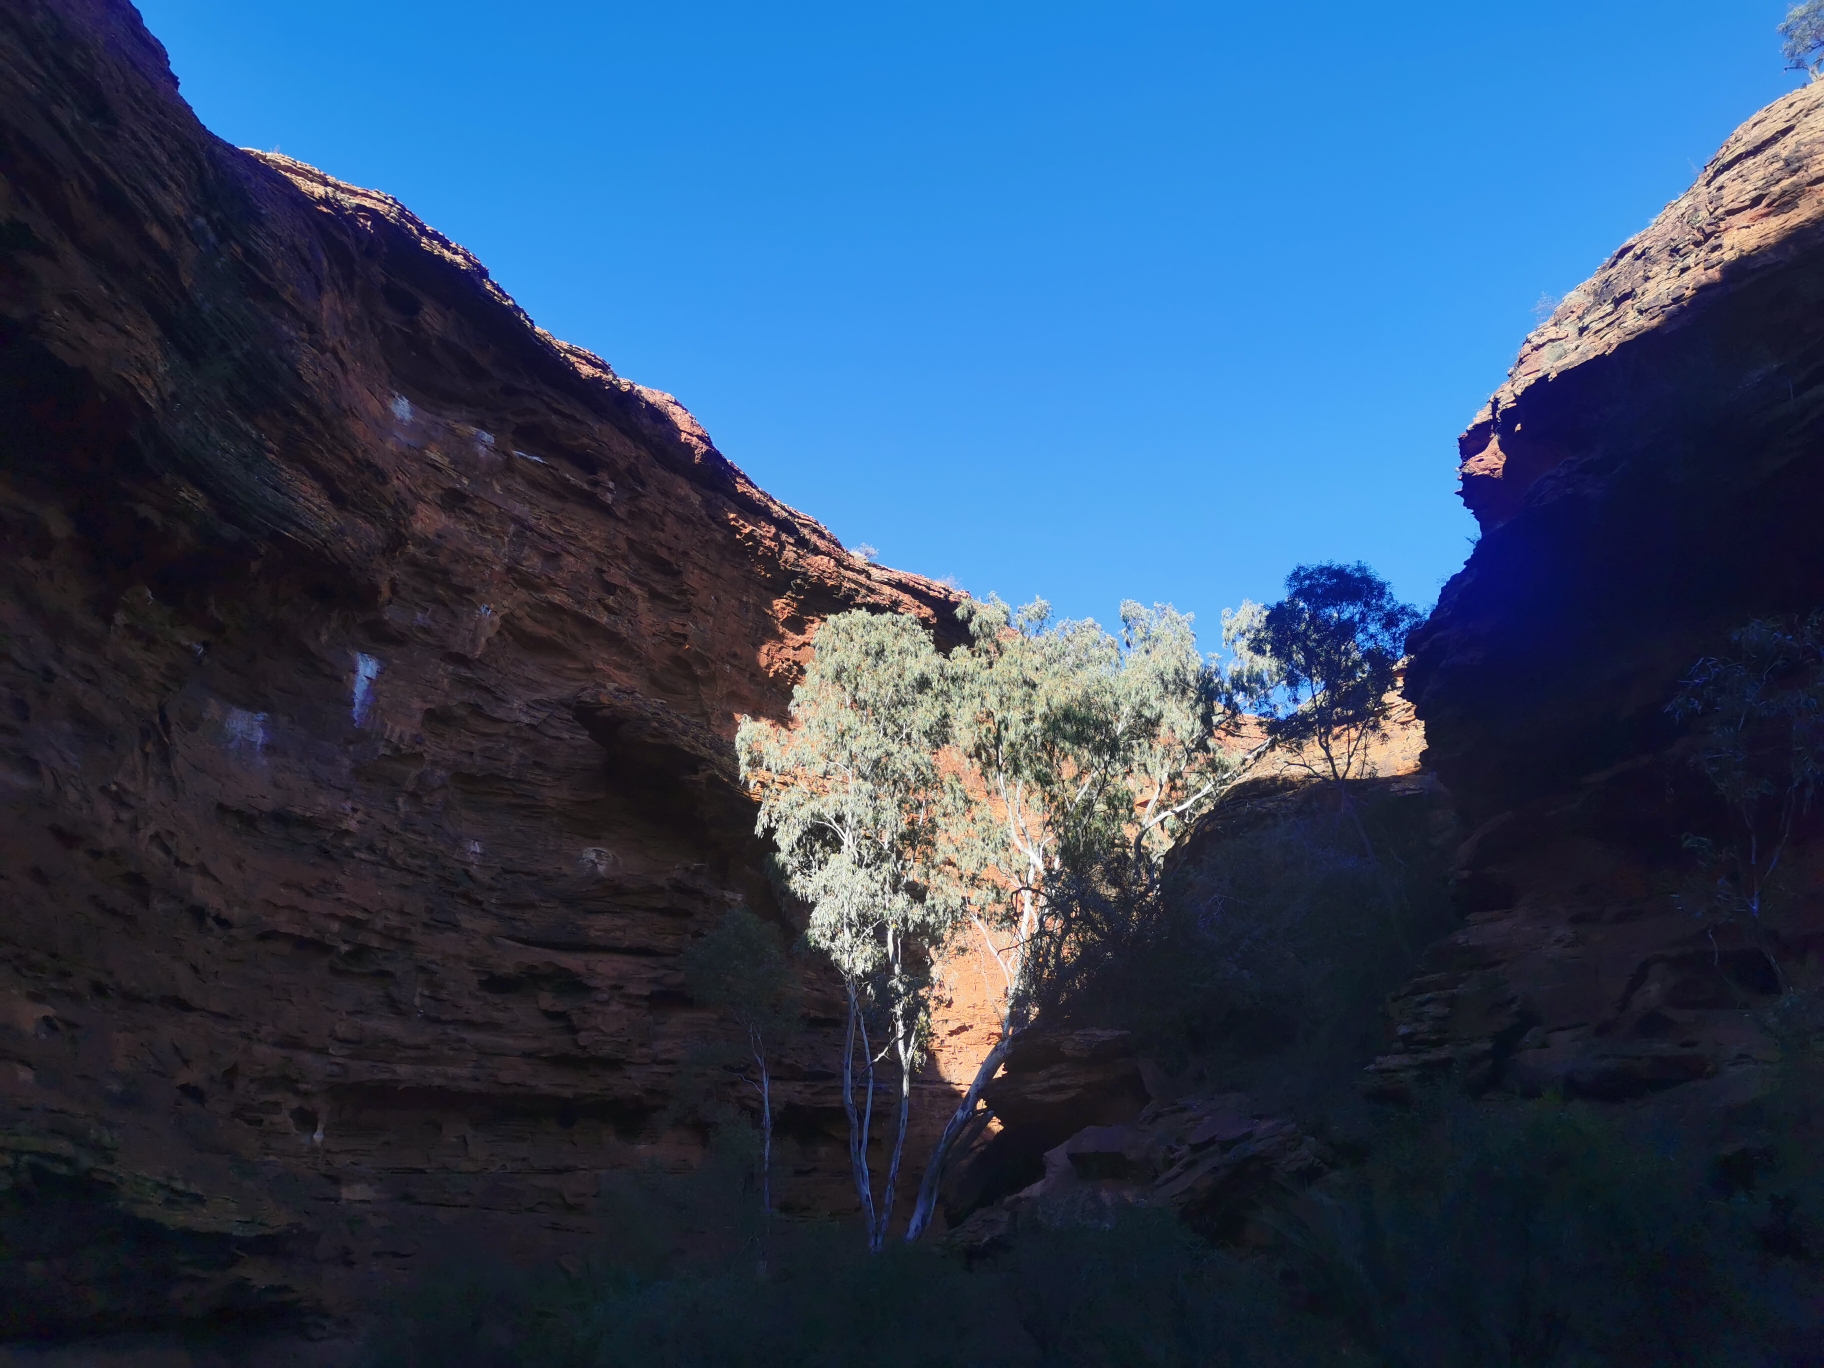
(370, 659)
(1647, 480)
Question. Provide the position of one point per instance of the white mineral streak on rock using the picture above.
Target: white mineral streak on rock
(245, 731)
(367, 670)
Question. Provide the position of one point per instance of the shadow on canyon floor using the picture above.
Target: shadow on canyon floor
(1506, 1232)
(1447, 1231)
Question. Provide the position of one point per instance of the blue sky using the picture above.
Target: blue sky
(1094, 300)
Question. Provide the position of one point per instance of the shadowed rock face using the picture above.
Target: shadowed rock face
(1216, 1161)
(369, 660)
(1648, 479)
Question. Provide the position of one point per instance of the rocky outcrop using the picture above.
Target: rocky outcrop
(1647, 480)
(1215, 1161)
(369, 659)
(1051, 1085)
(1277, 1006)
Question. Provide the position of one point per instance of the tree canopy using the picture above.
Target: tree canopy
(914, 797)
(1024, 790)
(1077, 758)
(1317, 666)
(1803, 32)
(852, 794)
(1078, 755)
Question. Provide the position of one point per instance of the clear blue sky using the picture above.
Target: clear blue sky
(1098, 300)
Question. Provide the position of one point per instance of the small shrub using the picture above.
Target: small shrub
(1265, 963)
(1535, 1233)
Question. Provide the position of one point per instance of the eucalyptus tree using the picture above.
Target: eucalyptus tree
(741, 967)
(852, 794)
(1077, 759)
(1317, 667)
(1803, 33)
(1758, 712)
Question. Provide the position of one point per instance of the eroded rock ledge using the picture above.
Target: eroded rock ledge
(369, 660)
(1648, 479)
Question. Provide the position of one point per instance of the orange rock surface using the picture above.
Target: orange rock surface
(370, 659)
(1756, 211)
(1646, 481)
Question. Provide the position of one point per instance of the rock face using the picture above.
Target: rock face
(1052, 1085)
(370, 659)
(1216, 1161)
(1073, 1095)
(1647, 480)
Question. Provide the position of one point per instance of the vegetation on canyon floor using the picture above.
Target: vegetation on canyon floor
(1028, 788)
(1450, 1231)
(1502, 1233)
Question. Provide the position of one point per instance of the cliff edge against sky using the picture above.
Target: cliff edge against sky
(370, 658)
(1647, 481)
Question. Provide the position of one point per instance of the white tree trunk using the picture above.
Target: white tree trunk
(758, 1046)
(878, 1236)
(859, 1124)
(959, 1121)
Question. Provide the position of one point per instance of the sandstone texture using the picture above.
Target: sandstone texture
(1647, 480)
(1216, 1161)
(369, 661)
(1291, 1026)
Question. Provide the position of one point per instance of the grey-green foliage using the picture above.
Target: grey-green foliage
(1249, 673)
(1317, 666)
(852, 794)
(1078, 757)
(913, 796)
(1803, 35)
(1758, 711)
(1079, 754)
(741, 967)
(1171, 716)
(850, 791)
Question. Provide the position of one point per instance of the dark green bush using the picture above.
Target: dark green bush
(1264, 965)
(1497, 1233)
(1535, 1233)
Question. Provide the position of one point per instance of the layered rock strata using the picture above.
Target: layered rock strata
(1217, 1162)
(370, 659)
(1647, 480)
(1295, 1022)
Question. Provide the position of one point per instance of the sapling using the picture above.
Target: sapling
(1758, 710)
(741, 967)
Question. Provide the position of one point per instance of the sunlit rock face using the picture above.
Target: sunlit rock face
(1650, 477)
(369, 661)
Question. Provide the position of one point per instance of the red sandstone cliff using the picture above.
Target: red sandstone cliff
(369, 660)
(1648, 479)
